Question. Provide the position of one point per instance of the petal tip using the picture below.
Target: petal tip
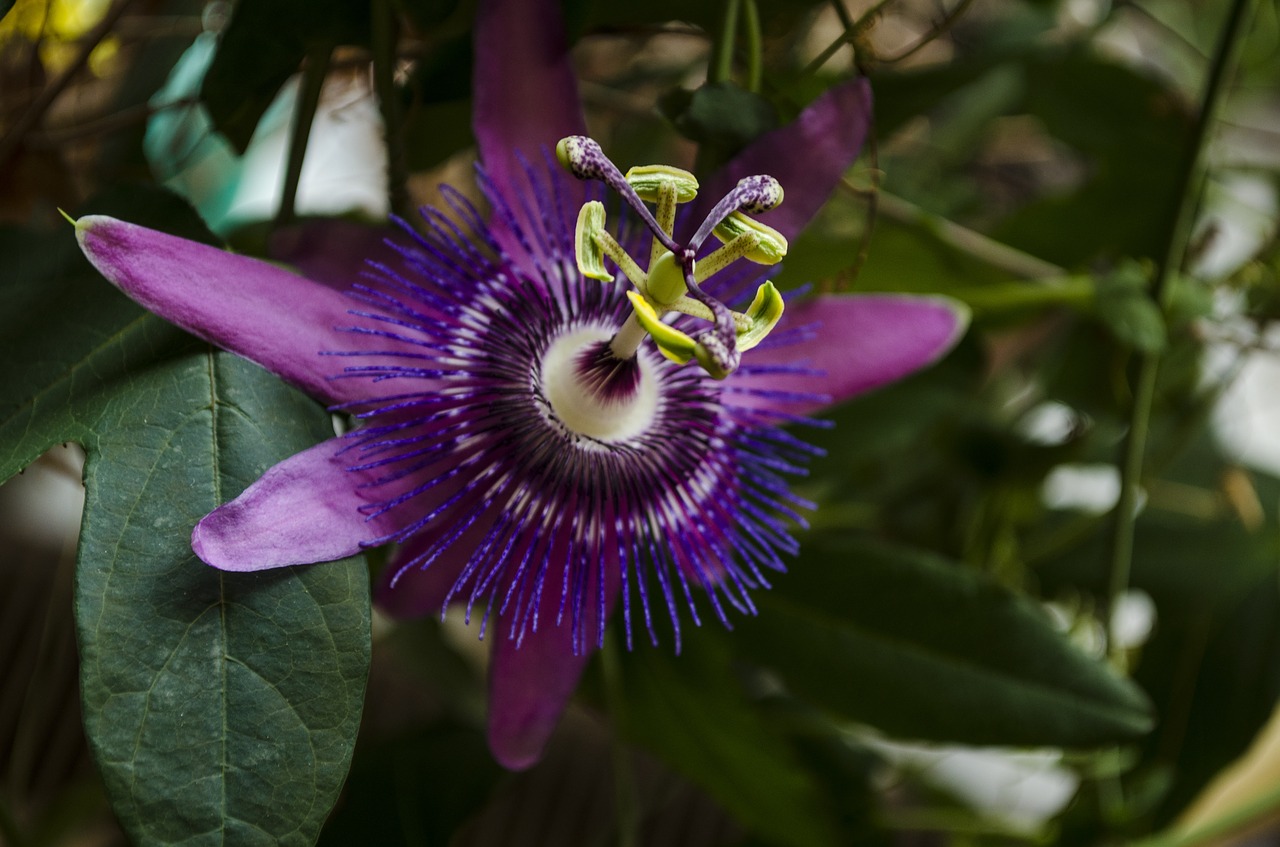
(205, 544)
(210, 544)
(514, 751)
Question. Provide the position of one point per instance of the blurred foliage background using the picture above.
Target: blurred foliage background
(1086, 491)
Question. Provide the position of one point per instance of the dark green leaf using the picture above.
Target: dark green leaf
(720, 116)
(691, 711)
(922, 648)
(1132, 131)
(263, 45)
(1212, 665)
(415, 789)
(5, 7)
(219, 706)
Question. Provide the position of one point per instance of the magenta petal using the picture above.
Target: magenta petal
(525, 94)
(859, 341)
(270, 316)
(305, 509)
(528, 690)
(808, 156)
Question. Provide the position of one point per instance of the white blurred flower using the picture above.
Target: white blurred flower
(1093, 488)
(1020, 790)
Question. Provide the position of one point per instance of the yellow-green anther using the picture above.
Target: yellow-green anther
(587, 242)
(647, 180)
(673, 343)
(771, 246)
(763, 314)
(666, 282)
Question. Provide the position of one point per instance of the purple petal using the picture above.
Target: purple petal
(530, 684)
(525, 94)
(860, 342)
(808, 156)
(270, 316)
(305, 509)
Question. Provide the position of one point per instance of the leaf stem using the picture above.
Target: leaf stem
(313, 75)
(1177, 230)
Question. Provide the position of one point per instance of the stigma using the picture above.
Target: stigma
(671, 280)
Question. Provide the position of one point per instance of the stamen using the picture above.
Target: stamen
(593, 243)
(665, 186)
(672, 281)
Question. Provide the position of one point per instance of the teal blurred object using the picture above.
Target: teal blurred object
(344, 171)
(180, 145)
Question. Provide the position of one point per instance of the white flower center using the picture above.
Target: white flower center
(584, 408)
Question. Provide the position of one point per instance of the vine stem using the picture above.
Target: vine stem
(385, 33)
(751, 18)
(313, 76)
(721, 69)
(967, 241)
(1177, 231)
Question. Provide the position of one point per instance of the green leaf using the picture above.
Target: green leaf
(1126, 307)
(220, 707)
(691, 711)
(923, 648)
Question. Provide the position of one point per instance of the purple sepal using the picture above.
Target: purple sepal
(260, 311)
(807, 156)
(858, 341)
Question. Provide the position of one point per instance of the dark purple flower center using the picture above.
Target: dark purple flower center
(609, 378)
